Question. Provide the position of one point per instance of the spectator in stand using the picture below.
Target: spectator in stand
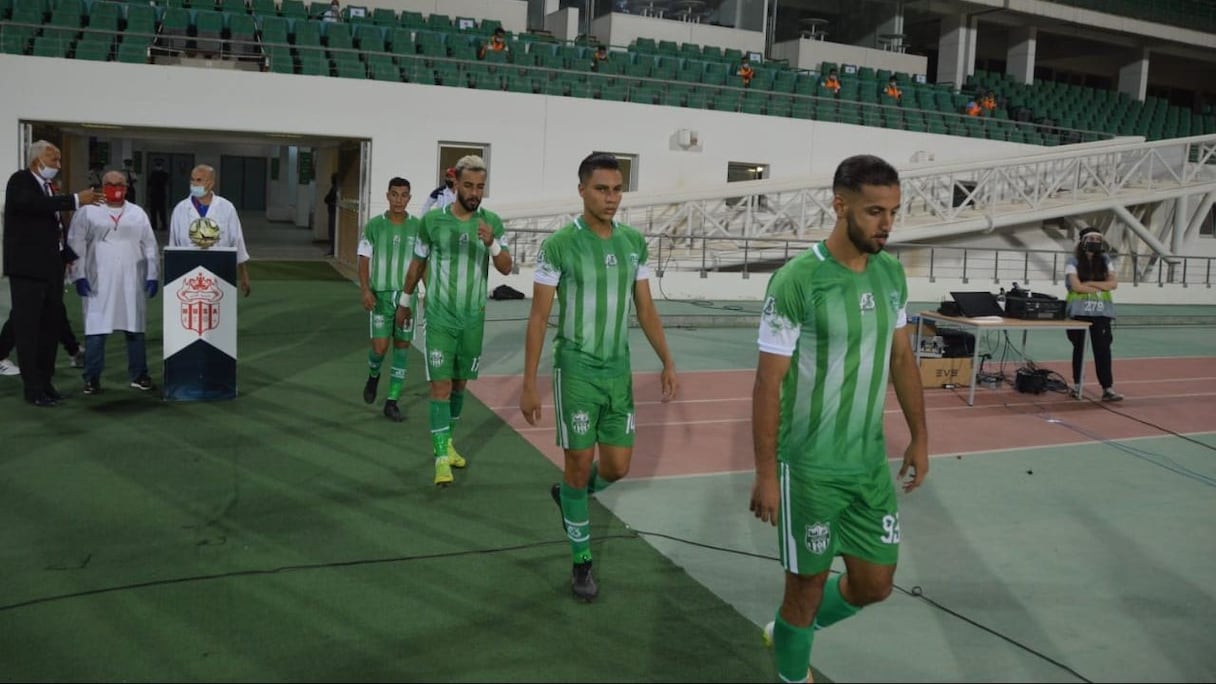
(746, 72)
(973, 108)
(892, 91)
(832, 83)
(601, 55)
(989, 102)
(498, 43)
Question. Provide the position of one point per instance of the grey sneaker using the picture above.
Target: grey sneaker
(9, 368)
(1109, 394)
(78, 359)
(582, 582)
(92, 386)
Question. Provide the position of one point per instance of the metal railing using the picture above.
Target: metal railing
(939, 201)
(1000, 266)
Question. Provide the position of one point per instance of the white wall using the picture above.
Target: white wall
(623, 29)
(512, 13)
(536, 141)
(810, 54)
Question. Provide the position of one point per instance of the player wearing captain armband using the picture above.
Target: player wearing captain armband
(454, 249)
(204, 220)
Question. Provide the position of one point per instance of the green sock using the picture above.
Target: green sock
(374, 361)
(397, 372)
(792, 650)
(595, 483)
(440, 427)
(834, 608)
(578, 524)
(457, 406)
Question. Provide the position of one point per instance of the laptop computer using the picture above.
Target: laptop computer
(976, 304)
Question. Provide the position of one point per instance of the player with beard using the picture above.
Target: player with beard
(834, 326)
(454, 248)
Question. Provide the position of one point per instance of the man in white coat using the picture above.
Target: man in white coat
(204, 220)
(115, 274)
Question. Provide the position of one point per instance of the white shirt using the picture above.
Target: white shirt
(439, 201)
(221, 212)
(117, 254)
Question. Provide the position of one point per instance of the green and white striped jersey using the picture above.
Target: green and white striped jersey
(458, 265)
(389, 247)
(837, 326)
(594, 278)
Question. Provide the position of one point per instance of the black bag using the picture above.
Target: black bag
(506, 292)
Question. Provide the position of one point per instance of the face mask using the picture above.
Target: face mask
(114, 194)
(47, 172)
(1093, 247)
(198, 190)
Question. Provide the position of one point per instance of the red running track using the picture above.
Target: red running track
(707, 428)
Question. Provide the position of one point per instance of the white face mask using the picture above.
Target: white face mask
(47, 172)
(198, 190)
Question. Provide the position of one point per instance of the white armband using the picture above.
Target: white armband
(404, 299)
(495, 248)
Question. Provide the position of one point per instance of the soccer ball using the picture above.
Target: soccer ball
(204, 233)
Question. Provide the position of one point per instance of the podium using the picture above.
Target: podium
(200, 303)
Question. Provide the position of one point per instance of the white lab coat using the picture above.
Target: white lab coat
(117, 253)
(433, 201)
(222, 212)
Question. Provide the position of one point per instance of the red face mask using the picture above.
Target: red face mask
(115, 193)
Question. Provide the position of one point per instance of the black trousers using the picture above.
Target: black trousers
(158, 212)
(8, 341)
(1100, 338)
(37, 317)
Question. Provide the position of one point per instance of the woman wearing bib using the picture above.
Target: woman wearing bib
(1090, 280)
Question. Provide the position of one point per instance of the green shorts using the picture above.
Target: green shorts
(822, 517)
(454, 353)
(593, 409)
(382, 320)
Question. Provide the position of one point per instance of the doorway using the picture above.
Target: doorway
(179, 165)
(243, 182)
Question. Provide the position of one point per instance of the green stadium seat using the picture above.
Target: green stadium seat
(306, 33)
(385, 72)
(350, 68)
(411, 19)
(94, 49)
(370, 38)
(384, 16)
(133, 50)
(439, 22)
(293, 9)
(338, 36)
(264, 8)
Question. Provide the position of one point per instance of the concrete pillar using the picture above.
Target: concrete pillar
(1133, 75)
(1019, 58)
(956, 49)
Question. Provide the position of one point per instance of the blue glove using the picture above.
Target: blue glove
(150, 287)
(82, 287)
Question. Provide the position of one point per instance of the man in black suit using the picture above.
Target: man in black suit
(35, 251)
